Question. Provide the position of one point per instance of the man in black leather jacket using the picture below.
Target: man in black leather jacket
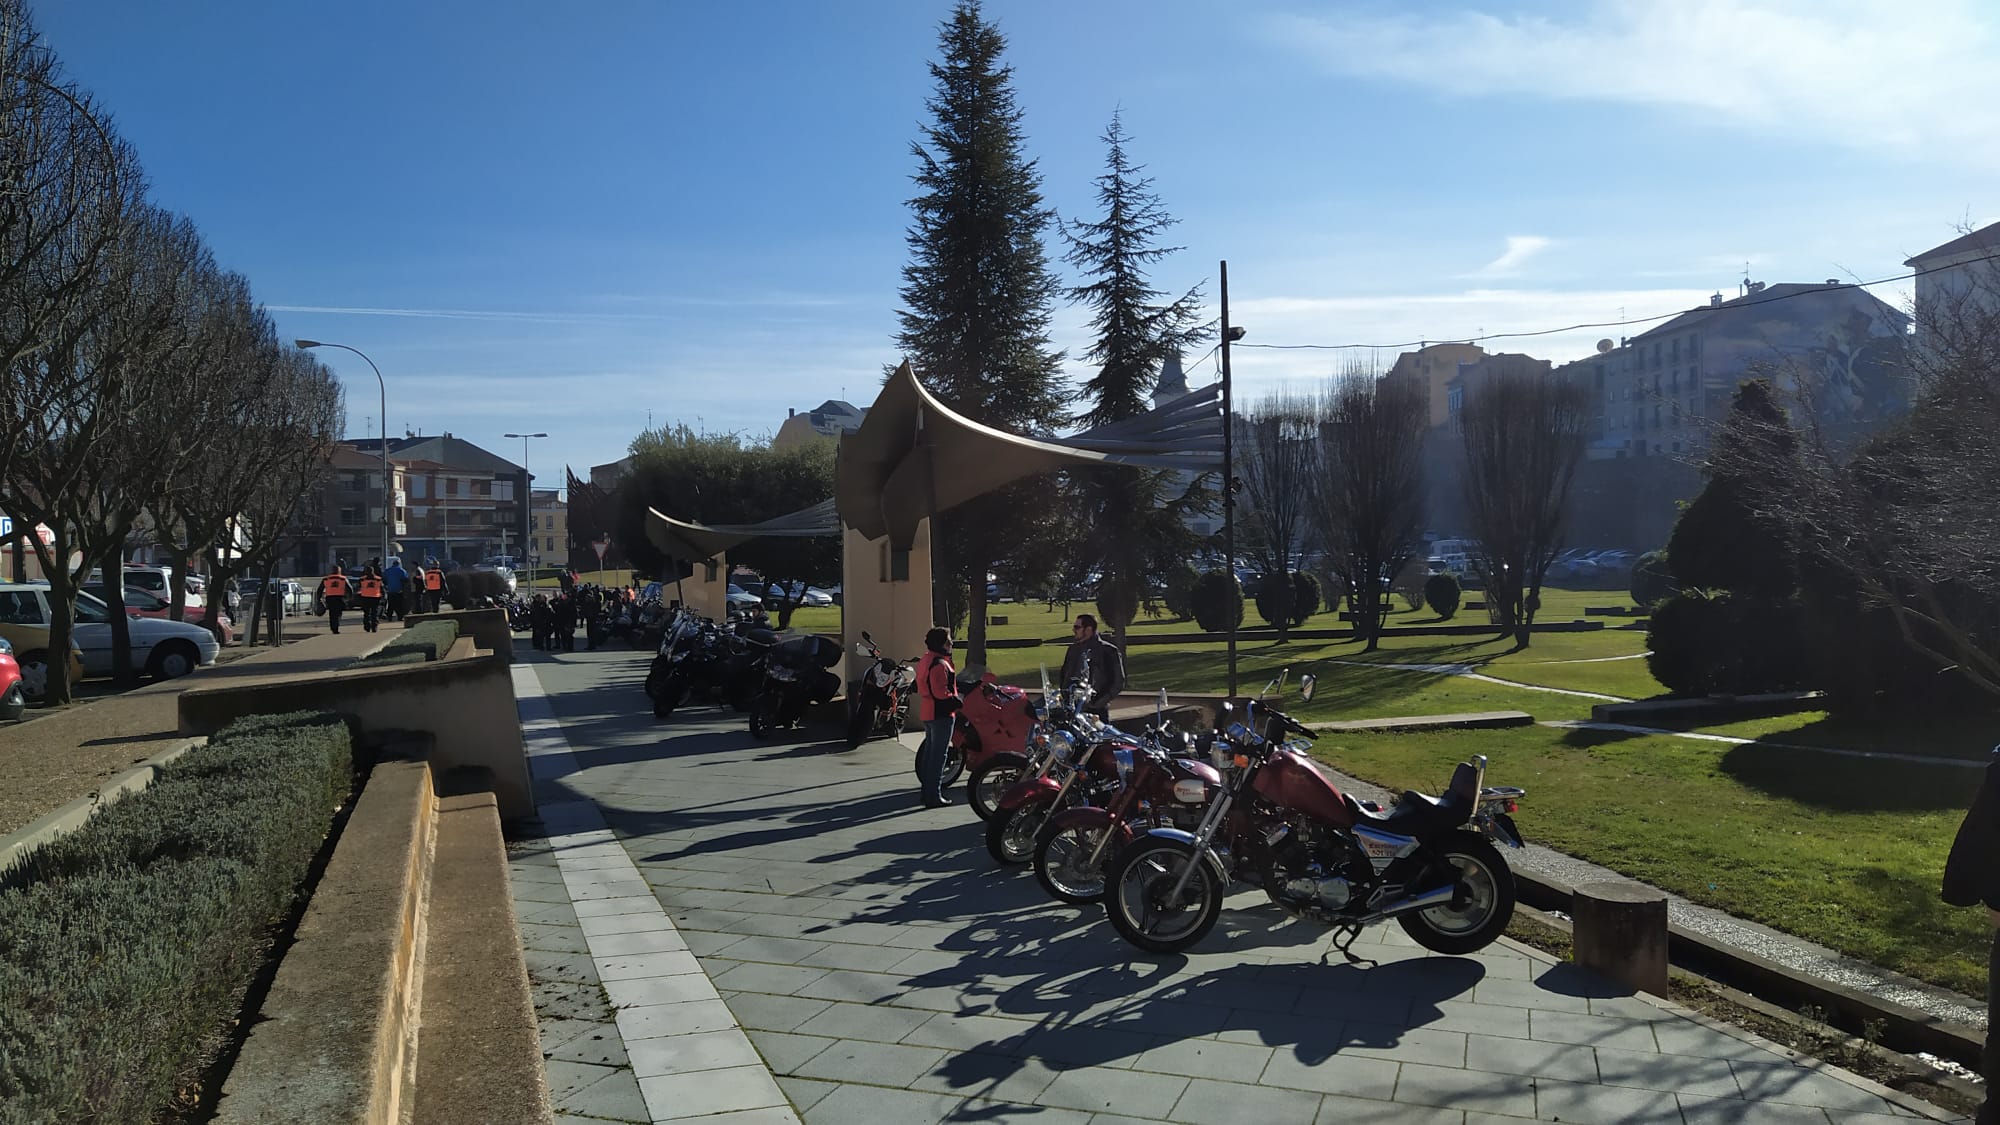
(1972, 877)
(1104, 663)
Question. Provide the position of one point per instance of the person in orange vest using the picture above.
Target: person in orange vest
(937, 703)
(433, 587)
(370, 588)
(333, 594)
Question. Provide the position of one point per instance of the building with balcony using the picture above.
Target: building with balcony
(1433, 367)
(548, 529)
(449, 500)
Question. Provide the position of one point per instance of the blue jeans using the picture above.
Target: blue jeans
(930, 757)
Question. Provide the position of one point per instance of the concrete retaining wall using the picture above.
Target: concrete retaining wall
(467, 704)
(486, 626)
(336, 1037)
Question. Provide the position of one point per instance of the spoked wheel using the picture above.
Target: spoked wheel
(1479, 910)
(954, 764)
(991, 780)
(1139, 898)
(1070, 862)
(1011, 834)
(763, 714)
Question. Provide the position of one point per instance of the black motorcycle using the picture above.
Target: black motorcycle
(687, 656)
(796, 677)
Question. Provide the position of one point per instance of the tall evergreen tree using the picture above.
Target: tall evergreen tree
(978, 292)
(1136, 516)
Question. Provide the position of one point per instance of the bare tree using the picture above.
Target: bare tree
(1277, 459)
(1368, 502)
(1908, 518)
(65, 181)
(293, 426)
(1523, 435)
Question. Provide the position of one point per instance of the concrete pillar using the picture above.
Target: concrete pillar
(886, 595)
(1621, 933)
(706, 591)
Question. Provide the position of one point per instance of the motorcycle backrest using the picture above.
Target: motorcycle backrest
(1465, 781)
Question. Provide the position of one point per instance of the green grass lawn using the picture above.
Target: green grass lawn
(1845, 852)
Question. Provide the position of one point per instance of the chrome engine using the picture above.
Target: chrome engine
(1311, 869)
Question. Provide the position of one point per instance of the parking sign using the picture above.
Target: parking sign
(6, 527)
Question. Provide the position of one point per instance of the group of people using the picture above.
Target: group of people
(552, 621)
(1091, 659)
(380, 593)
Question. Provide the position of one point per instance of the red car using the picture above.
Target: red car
(145, 603)
(13, 697)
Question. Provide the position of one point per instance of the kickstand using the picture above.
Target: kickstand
(1344, 937)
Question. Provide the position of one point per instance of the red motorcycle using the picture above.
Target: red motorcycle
(1320, 855)
(1078, 766)
(1001, 734)
(1160, 786)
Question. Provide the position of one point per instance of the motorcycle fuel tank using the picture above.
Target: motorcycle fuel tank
(1288, 780)
(1000, 715)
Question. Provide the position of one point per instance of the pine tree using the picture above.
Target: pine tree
(978, 292)
(1135, 332)
(1136, 515)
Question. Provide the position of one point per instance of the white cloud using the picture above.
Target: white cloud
(1520, 247)
(1861, 73)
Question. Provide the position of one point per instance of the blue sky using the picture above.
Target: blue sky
(574, 217)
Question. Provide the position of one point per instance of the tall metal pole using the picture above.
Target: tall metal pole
(1228, 472)
(387, 510)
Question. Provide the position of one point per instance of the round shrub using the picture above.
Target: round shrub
(1652, 581)
(1441, 593)
(1118, 603)
(1275, 597)
(1410, 581)
(1683, 636)
(1218, 601)
(1305, 597)
(1180, 590)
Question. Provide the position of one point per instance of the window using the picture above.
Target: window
(451, 486)
(534, 522)
(482, 488)
(354, 482)
(419, 488)
(351, 517)
(21, 607)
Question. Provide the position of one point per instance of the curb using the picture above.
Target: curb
(72, 816)
(1904, 1028)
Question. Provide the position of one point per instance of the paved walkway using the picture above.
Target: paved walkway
(791, 894)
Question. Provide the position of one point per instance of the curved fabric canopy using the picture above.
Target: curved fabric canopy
(696, 542)
(912, 455)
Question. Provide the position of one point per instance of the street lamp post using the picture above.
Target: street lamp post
(527, 486)
(388, 510)
(1230, 334)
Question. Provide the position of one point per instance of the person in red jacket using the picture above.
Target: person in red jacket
(937, 702)
(1972, 878)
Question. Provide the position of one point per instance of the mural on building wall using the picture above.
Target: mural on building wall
(1847, 359)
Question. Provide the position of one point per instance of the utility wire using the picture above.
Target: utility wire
(1739, 303)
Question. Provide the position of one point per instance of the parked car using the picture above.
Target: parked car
(24, 625)
(154, 580)
(13, 697)
(808, 596)
(741, 599)
(291, 594)
(165, 649)
(143, 603)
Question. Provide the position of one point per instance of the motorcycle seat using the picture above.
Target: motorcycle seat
(1415, 814)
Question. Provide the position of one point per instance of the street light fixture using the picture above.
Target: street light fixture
(527, 486)
(387, 510)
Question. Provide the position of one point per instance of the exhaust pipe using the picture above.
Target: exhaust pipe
(1414, 902)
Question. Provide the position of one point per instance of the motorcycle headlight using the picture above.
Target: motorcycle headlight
(1062, 745)
(879, 678)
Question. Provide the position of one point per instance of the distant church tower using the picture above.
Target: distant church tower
(1173, 382)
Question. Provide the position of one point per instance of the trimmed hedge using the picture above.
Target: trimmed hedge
(428, 641)
(1217, 601)
(125, 944)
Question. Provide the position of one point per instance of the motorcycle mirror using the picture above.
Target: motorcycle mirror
(1307, 684)
(866, 637)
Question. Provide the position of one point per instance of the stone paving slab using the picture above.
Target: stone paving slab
(884, 971)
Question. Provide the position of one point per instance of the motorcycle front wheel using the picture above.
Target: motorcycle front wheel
(1062, 863)
(991, 780)
(954, 764)
(861, 724)
(1136, 889)
(1481, 908)
(763, 714)
(670, 696)
(1011, 833)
